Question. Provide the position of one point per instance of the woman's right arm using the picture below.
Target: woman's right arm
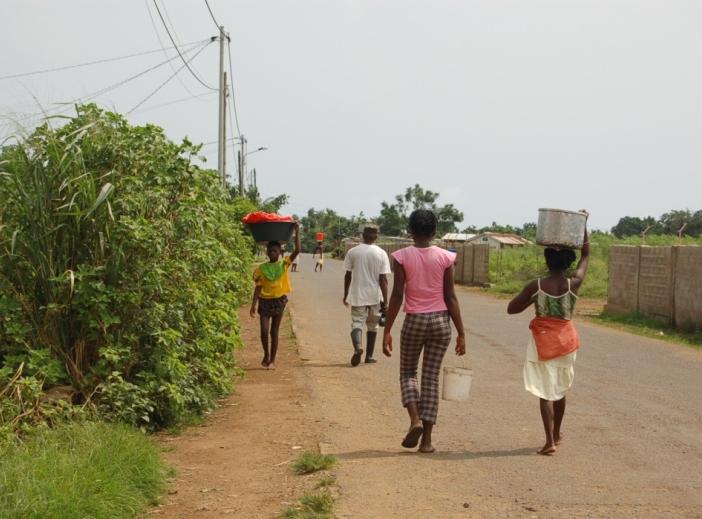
(454, 309)
(256, 293)
(522, 300)
(584, 262)
(398, 294)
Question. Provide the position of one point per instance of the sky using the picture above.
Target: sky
(502, 107)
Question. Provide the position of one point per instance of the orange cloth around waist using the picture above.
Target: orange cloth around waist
(554, 337)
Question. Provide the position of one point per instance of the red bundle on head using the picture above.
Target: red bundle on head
(262, 216)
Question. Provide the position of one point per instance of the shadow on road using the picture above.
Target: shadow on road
(438, 456)
(323, 365)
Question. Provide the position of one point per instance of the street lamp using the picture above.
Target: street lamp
(241, 155)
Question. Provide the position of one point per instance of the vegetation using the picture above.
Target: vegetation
(511, 269)
(334, 226)
(394, 217)
(81, 470)
(650, 327)
(121, 263)
(318, 505)
(309, 462)
(668, 223)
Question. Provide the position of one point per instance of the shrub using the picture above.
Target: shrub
(122, 265)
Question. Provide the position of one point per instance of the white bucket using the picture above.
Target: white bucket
(457, 383)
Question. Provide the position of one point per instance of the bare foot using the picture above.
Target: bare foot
(265, 362)
(558, 439)
(547, 450)
(426, 449)
(271, 365)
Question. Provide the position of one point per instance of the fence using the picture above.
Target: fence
(661, 282)
(472, 261)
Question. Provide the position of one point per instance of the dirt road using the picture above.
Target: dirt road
(633, 427)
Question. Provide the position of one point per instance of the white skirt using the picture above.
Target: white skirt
(548, 379)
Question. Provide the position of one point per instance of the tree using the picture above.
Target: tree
(333, 225)
(672, 221)
(634, 226)
(394, 217)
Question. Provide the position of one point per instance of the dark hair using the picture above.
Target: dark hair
(272, 244)
(422, 222)
(559, 259)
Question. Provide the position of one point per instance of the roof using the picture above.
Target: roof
(504, 238)
(457, 236)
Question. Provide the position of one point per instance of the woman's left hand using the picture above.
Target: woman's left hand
(461, 345)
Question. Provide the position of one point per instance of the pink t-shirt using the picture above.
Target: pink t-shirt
(424, 277)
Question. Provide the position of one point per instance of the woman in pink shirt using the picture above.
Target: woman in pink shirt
(424, 278)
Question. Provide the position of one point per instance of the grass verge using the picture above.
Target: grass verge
(87, 469)
(310, 462)
(648, 327)
(319, 505)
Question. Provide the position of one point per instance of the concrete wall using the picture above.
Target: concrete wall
(623, 279)
(472, 261)
(656, 282)
(688, 288)
(661, 282)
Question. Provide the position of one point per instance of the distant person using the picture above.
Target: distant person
(272, 287)
(366, 290)
(550, 356)
(424, 274)
(319, 249)
(293, 267)
(320, 262)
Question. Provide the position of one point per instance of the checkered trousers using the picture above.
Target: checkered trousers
(430, 332)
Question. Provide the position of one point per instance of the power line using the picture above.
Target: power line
(175, 101)
(212, 14)
(113, 86)
(175, 73)
(175, 33)
(158, 37)
(176, 48)
(231, 86)
(96, 62)
(135, 76)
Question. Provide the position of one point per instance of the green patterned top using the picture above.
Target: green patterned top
(562, 306)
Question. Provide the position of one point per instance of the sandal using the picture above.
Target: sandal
(413, 435)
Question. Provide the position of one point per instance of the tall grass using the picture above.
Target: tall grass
(55, 219)
(81, 470)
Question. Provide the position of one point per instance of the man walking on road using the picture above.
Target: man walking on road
(365, 289)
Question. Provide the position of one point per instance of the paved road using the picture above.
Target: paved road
(633, 427)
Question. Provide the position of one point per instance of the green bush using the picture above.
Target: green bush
(80, 470)
(122, 265)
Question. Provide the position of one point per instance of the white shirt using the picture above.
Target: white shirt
(366, 263)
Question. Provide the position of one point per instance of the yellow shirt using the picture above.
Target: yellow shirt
(273, 289)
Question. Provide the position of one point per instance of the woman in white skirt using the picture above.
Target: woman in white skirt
(550, 357)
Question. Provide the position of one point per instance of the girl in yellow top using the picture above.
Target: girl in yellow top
(272, 286)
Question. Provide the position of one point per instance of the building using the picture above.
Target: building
(498, 241)
(452, 239)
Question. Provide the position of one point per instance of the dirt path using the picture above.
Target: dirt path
(633, 428)
(236, 463)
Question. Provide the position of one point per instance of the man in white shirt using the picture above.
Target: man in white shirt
(365, 290)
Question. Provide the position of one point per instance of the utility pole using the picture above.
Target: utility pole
(224, 134)
(242, 164)
(222, 150)
(254, 173)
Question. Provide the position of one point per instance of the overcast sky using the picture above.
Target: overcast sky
(501, 106)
